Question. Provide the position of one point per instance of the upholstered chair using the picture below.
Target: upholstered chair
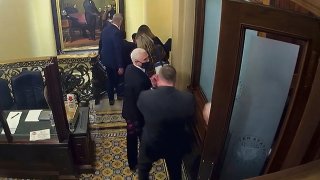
(28, 89)
(6, 101)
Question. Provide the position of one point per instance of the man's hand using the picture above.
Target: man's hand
(120, 71)
(153, 80)
(206, 112)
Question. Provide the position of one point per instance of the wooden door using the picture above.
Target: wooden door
(266, 66)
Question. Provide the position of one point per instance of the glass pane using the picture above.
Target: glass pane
(210, 45)
(265, 77)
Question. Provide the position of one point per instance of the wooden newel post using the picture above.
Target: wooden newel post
(55, 100)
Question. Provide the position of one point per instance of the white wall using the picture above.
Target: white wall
(182, 40)
(159, 17)
(157, 14)
(134, 16)
(26, 29)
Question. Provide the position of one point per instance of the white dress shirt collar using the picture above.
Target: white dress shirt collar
(143, 70)
(116, 26)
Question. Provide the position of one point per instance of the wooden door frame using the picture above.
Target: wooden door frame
(191, 161)
(227, 72)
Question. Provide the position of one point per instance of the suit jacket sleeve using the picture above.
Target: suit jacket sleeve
(90, 8)
(137, 91)
(94, 8)
(140, 102)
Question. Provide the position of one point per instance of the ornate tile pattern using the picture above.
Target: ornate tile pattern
(111, 158)
(108, 121)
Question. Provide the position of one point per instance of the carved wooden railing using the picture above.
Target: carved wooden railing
(75, 72)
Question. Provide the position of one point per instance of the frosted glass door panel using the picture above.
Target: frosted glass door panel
(210, 45)
(265, 77)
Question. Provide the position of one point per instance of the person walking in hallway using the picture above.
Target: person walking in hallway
(144, 29)
(111, 45)
(135, 80)
(128, 47)
(167, 113)
(146, 43)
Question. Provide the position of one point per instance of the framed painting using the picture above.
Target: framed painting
(79, 23)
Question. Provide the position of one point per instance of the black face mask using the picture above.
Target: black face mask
(145, 65)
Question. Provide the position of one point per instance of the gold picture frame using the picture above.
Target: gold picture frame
(79, 23)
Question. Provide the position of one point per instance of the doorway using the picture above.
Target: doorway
(266, 64)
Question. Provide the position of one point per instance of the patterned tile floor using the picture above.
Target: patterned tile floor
(111, 159)
(109, 133)
(108, 121)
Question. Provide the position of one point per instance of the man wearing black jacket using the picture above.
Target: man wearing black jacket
(110, 50)
(167, 113)
(135, 80)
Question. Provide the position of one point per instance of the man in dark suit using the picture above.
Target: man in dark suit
(111, 45)
(128, 47)
(135, 80)
(91, 13)
(167, 113)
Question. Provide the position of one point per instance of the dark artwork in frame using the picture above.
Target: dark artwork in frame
(78, 23)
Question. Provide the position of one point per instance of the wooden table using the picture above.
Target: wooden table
(47, 158)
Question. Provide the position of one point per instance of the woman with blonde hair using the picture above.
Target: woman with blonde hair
(145, 42)
(144, 29)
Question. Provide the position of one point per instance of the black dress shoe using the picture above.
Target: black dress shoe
(133, 169)
(111, 102)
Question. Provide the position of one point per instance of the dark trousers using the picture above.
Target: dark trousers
(113, 83)
(132, 150)
(132, 145)
(91, 24)
(173, 163)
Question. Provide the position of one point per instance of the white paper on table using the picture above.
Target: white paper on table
(13, 121)
(33, 116)
(40, 135)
